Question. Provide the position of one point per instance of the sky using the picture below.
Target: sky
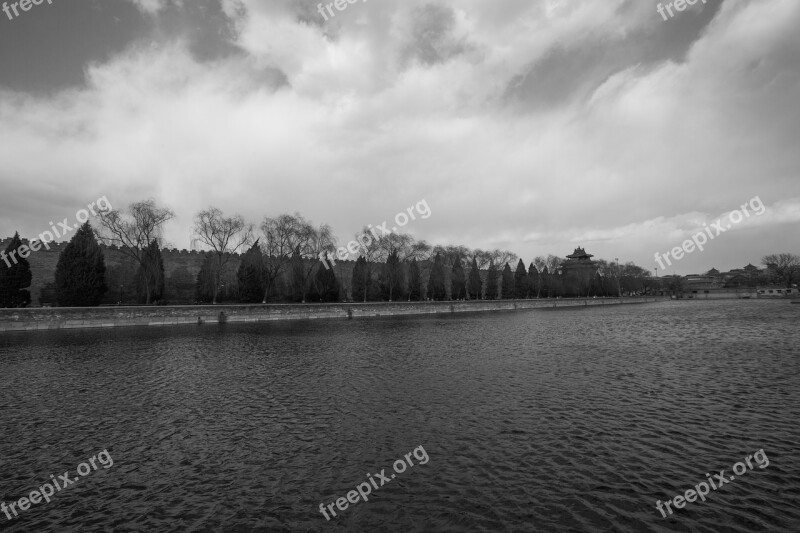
(532, 126)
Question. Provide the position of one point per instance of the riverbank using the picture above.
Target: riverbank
(45, 318)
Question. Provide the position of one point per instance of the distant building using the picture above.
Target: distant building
(578, 271)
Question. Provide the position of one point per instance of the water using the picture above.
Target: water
(544, 420)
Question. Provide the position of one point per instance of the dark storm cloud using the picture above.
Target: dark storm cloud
(49, 47)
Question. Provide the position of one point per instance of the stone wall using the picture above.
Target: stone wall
(44, 318)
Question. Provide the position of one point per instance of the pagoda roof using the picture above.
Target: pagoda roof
(579, 253)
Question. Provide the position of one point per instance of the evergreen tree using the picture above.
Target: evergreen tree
(150, 275)
(545, 283)
(474, 284)
(359, 284)
(204, 287)
(414, 282)
(326, 286)
(534, 285)
(491, 282)
(521, 281)
(458, 281)
(508, 289)
(15, 276)
(251, 275)
(298, 283)
(436, 288)
(392, 278)
(80, 272)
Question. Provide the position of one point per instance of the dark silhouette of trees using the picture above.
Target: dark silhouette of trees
(80, 271)
(491, 282)
(150, 275)
(785, 267)
(15, 276)
(360, 282)
(436, 287)
(458, 281)
(134, 231)
(508, 290)
(206, 278)
(414, 282)
(325, 286)
(251, 275)
(534, 283)
(521, 281)
(224, 235)
(392, 286)
(474, 285)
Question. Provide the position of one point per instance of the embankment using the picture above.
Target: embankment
(42, 318)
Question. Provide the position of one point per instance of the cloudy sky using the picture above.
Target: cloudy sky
(535, 126)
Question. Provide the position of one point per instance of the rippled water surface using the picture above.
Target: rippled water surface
(544, 420)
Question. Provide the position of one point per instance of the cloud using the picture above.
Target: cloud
(535, 127)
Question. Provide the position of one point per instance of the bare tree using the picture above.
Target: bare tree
(133, 231)
(405, 246)
(224, 235)
(285, 234)
(785, 266)
(316, 242)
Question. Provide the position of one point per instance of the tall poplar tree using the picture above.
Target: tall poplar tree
(474, 283)
(414, 282)
(150, 274)
(458, 281)
(360, 280)
(508, 290)
(80, 272)
(251, 275)
(392, 278)
(15, 276)
(521, 281)
(491, 282)
(436, 288)
(534, 285)
(326, 286)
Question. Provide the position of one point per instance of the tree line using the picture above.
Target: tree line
(283, 260)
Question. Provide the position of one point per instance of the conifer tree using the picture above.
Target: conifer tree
(508, 289)
(436, 288)
(534, 286)
(150, 274)
(521, 281)
(80, 272)
(298, 283)
(474, 284)
(414, 287)
(204, 287)
(326, 286)
(545, 283)
(458, 281)
(359, 282)
(15, 276)
(491, 282)
(251, 275)
(392, 278)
